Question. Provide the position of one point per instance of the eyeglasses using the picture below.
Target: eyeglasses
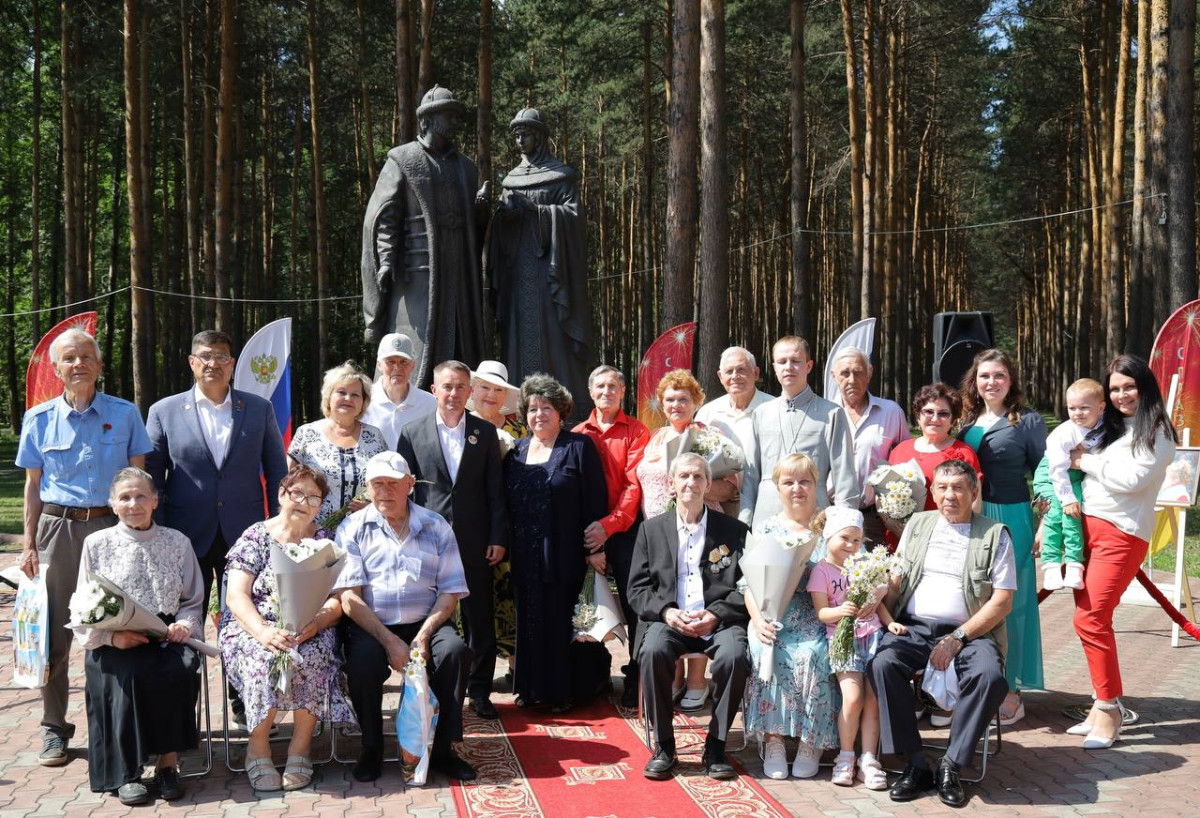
(214, 358)
(311, 500)
(935, 414)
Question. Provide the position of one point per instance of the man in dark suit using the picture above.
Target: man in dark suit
(455, 458)
(705, 614)
(212, 447)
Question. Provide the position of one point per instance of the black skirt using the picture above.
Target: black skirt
(140, 702)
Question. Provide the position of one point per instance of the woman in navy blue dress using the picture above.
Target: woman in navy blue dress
(555, 485)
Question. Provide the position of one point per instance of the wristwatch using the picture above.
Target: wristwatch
(961, 636)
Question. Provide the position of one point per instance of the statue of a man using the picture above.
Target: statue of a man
(536, 266)
(421, 243)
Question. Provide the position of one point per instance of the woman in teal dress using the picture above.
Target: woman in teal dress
(1010, 440)
(801, 699)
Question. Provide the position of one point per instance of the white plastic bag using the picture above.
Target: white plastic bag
(31, 632)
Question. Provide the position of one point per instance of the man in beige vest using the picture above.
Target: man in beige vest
(952, 589)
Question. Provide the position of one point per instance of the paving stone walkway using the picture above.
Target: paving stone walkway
(1154, 771)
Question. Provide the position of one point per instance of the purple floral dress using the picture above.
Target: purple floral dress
(248, 663)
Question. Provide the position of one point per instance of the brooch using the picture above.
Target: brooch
(719, 559)
(472, 439)
(241, 404)
(108, 427)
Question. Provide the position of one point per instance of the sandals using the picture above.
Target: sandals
(843, 771)
(871, 773)
(298, 773)
(263, 775)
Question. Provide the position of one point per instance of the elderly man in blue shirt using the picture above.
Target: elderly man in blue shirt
(71, 448)
(402, 578)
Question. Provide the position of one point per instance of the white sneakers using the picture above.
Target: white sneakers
(807, 761)
(775, 759)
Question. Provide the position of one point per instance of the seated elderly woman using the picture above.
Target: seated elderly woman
(251, 638)
(141, 694)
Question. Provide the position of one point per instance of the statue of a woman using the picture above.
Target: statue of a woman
(536, 266)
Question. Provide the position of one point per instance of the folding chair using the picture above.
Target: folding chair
(203, 708)
(984, 749)
(281, 737)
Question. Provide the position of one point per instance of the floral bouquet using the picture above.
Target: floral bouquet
(334, 518)
(773, 570)
(724, 457)
(865, 572)
(416, 719)
(304, 575)
(101, 605)
(597, 616)
(899, 490)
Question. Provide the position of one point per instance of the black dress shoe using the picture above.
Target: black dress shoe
(913, 783)
(629, 696)
(659, 767)
(948, 786)
(451, 765)
(369, 765)
(484, 709)
(561, 708)
(169, 787)
(135, 792)
(716, 765)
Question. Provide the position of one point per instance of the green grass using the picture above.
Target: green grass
(12, 488)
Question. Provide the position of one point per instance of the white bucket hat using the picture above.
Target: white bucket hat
(496, 374)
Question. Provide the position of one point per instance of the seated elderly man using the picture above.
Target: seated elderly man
(953, 588)
(683, 586)
(402, 578)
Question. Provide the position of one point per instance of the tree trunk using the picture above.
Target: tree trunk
(139, 240)
(682, 128)
(713, 330)
(225, 164)
(72, 195)
(365, 93)
(870, 163)
(192, 196)
(856, 283)
(318, 192)
(35, 228)
(425, 77)
(483, 121)
(646, 324)
(1141, 318)
(404, 77)
(1181, 163)
(802, 323)
(1115, 317)
(1156, 235)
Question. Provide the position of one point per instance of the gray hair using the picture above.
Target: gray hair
(853, 352)
(957, 468)
(541, 385)
(130, 473)
(737, 351)
(690, 458)
(73, 334)
(345, 373)
(604, 369)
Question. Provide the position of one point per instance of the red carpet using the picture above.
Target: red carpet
(587, 764)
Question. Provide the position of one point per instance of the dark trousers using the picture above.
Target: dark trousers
(479, 626)
(661, 647)
(981, 688)
(212, 565)
(619, 553)
(367, 669)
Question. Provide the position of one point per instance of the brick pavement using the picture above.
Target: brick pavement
(1040, 771)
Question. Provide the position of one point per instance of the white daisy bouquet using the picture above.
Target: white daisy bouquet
(723, 455)
(865, 572)
(899, 490)
(597, 616)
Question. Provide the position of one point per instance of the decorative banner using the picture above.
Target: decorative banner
(859, 336)
(671, 350)
(265, 369)
(41, 381)
(1177, 352)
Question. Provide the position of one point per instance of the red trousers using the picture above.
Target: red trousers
(1113, 559)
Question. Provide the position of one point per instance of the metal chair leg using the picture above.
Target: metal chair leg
(203, 707)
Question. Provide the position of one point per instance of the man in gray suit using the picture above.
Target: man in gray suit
(797, 421)
(211, 444)
(455, 458)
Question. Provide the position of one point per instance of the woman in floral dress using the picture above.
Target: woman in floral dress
(800, 700)
(251, 639)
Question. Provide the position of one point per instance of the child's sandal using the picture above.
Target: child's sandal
(843, 771)
(871, 773)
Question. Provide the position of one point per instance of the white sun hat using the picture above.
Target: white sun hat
(496, 374)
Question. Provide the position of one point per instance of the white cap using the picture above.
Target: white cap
(388, 464)
(496, 374)
(396, 344)
(838, 518)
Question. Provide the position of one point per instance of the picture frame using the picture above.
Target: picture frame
(1179, 486)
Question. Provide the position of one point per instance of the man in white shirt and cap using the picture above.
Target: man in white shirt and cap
(394, 401)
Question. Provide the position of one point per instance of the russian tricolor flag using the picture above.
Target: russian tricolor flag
(265, 368)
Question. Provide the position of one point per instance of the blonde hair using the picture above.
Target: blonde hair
(795, 463)
(346, 373)
(1087, 388)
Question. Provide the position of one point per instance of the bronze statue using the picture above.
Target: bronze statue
(421, 243)
(536, 267)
